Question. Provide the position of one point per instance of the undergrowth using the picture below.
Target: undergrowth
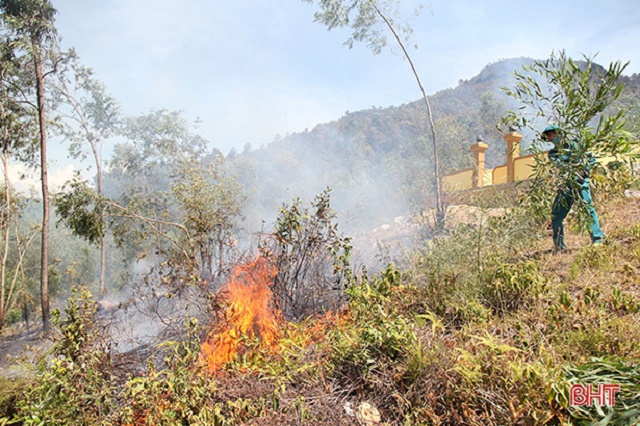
(471, 332)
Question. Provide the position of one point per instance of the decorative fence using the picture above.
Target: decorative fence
(517, 167)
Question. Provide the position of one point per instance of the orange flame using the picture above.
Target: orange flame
(249, 314)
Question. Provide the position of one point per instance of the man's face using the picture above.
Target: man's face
(550, 135)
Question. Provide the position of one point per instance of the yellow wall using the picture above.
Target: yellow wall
(458, 181)
(500, 175)
(488, 177)
(523, 167)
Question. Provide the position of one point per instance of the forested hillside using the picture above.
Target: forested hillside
(375, 160)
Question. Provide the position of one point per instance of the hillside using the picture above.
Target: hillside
(376, 161)
(478, 323)
(436, 342)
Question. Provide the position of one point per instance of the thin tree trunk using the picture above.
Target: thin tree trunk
(436, 158)
(5, 254)
(103, 249)
(25, 297)
(96, 148)
(103, 260)
(44, 264)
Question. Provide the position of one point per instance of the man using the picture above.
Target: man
(571, 156)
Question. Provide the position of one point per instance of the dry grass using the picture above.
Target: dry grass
(468, 364)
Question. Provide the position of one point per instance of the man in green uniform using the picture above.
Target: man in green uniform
(571, 157)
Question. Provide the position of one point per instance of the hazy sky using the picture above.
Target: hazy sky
(251, 69)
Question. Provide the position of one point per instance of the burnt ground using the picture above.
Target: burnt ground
(21, 348)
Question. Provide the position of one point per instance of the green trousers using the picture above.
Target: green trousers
(561, 206)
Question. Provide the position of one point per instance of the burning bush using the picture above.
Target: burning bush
(249, 314)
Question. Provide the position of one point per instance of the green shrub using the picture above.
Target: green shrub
(510, 286)
(472, 310)
(74, 384)
(588, 331)
(625, 302)
(521, 391)
(377, 332)
(595, 257)
(612, 179)
(11, 391)
(174, 395)
(311, 257)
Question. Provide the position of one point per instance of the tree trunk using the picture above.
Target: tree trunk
(440, 208)
(103, 249)
(5, 254)
(103, 260)
(44, 263)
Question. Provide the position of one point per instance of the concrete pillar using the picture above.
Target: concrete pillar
(513, 151)
(478, 149)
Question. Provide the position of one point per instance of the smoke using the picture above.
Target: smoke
(27, 181)
(367, 191)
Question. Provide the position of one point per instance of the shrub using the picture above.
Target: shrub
(11, 391)
(174, 395)
(73, 385)
(377, 333)
(312, 259)
(510, 286)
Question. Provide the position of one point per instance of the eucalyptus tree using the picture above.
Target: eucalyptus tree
(370, 21)
(16, 137)
(90, 116)
(210, 201)
(13, 248)
(174, 193)
(29, 25)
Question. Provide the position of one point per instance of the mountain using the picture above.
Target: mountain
(377, 161)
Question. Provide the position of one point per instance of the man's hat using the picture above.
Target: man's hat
(550, 129)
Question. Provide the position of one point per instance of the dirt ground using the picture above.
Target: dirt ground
(20, 349)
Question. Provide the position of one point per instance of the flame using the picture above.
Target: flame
(249, 314)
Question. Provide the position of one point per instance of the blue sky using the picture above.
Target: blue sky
(252, 69)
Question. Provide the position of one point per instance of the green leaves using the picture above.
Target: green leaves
(312, 258)
(609, 371)
(569, 94)
(74, 384)
(512, 286)
(82, 209)
(173, 189)
(379, 333)
(32, 18)
(573, 95)
(210, 203)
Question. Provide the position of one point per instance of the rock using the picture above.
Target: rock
(471, 215)
(368, 414)
(106, 306)
(348, 409)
